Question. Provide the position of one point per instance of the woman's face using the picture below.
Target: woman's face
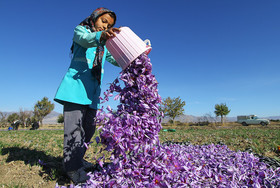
(104, 22)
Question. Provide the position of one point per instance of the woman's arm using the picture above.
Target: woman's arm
(111, 59)
(85, 38)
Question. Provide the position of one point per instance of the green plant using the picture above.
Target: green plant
(221, 110)
(13, 117)
(43, 108)
(172, 107)
(60, 118)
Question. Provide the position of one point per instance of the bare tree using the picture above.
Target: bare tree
(3, 120)
(210, 117)
(24, 115)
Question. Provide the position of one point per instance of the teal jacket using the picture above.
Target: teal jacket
(78, 85)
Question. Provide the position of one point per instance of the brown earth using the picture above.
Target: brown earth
(18, 174)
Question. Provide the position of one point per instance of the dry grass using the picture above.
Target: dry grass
(20, 151)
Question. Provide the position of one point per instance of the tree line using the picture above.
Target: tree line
(171, 107)
(26, 118)
(174, 107)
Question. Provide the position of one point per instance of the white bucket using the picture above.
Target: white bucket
(127, 46)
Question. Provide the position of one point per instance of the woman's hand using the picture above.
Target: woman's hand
(108, 33)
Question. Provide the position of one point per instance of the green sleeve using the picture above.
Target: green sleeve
(111, 59)
(85, 38)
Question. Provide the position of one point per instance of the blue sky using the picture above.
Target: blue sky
(205, 51)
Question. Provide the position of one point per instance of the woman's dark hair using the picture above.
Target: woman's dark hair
(113, 15)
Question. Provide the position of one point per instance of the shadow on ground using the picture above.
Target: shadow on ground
(51, 166)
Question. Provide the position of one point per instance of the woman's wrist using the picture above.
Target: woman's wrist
(109, 33)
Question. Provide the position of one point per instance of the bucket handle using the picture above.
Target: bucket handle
(148, 42)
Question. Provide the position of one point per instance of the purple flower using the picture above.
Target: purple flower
(41, 162)
(130, 134)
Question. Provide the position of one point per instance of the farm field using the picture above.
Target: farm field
(21, 151)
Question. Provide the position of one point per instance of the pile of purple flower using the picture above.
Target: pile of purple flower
(138, 159)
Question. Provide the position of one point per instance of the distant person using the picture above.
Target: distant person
(35, 125)
(15, 124)
(80, 88)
